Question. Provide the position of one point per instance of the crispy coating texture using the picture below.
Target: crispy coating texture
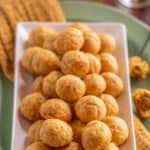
(92, 42)
(68, 40)
(90, 108)
(141, 99)
(109, 63)
(75, 62)
(95, 84)
(34, 131)
(96, 136)
(111, 104)
(30, 106)
(38, 146)
(114, 84)
(56, 133)
(77, 127)
(56, 108)
(119, 129)
(70, 88)
(112, 146)
(72, 146)
(37, 84)
(139, 68)
(49, 82)
(108, 43)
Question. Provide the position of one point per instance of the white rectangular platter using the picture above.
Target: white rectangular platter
(23, 80)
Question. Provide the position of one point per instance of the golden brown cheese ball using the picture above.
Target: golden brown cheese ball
(38, 146)
(56, 133)
(90, 108)
(92, 43)
(96, 136)
(75, 62)
(111, 104)
(38, 35)
(95, 65)
(30, 106)
(95, 84)
(119, 129)
(37, 84)
(68, 40)
(109, 63)
(72, 146)
(114, 84)
(70, 88)
(34, 131)
(77, 127)
(112, 146)
(108, 43)
(56, 108)
(49, 82)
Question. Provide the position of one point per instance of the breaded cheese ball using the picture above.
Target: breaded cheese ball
(75, 62)
(77, 127)
(57, 109)
(37, 84)
(68, 40)
(92, 42)
(111, 104)
(70, 88)
(109, 63)
(119, 129)
(114, 84)
(34, 131)
(72, 146)
(49, 82)
(96, 136)
(108, 43)
(38, 146)
(56, 133)
(111, 146)
(39, 34)
(30, 106)
(90, 108)
(95, 65)
(95, 84)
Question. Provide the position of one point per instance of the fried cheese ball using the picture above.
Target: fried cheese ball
(77, 127)
(70, 88)
(75, 62)
(57, 109)
(90, 108)
(39, 34)
(111, 146)
(114, 84)
(30, 106)
(34, 131)
(119, 129)
(96, 136)
(111, 104)
(72, 146)
(68, 40)
(95, 84)
(108, 43)
(56, 133)
(37, 84)
(49, 82)
(38, 146)
(109, 63)
(92, 42)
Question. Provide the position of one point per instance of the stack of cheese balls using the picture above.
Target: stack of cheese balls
(72, 103)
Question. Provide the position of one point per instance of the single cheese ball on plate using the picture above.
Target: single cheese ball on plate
(34, 131)
(56, 108)
(111, 104)
(72, 146)
(30, 106)
(90, 108)
(109, 63)
(95, 84)
(37, 84)
(114, 84)
(70, 88)
(111, 146)
(56, 133)
(108, 43)
(119, 129)
(75, 62)
(49, 82)
(96, 136)
(38, 146)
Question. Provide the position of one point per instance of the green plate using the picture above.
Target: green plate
(78, 11)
